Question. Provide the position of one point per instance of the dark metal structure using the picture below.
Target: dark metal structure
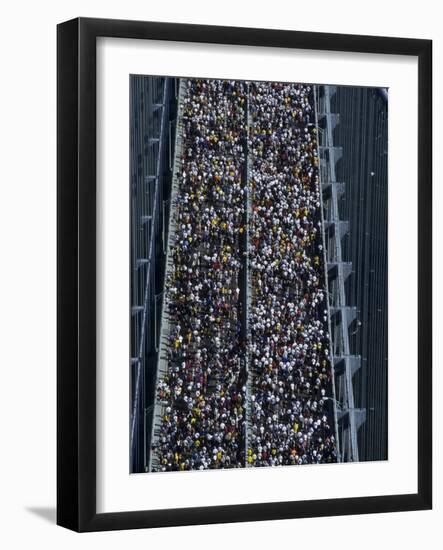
(353, 124)
(153, 114)
(362, 134)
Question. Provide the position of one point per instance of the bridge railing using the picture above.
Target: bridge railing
(348, 418)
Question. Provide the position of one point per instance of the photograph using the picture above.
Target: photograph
(221, 275)
(258, 274)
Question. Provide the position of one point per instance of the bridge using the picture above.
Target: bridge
(341, 315)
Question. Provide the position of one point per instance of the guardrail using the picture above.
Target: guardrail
(162, 361)
(347, 417)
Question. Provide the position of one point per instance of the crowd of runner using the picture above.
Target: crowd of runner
(204, 417)
(204, 392)
(291, 420)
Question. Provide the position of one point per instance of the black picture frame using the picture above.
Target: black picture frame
(76, 273)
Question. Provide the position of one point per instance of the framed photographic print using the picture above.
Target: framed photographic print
(244, 274)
